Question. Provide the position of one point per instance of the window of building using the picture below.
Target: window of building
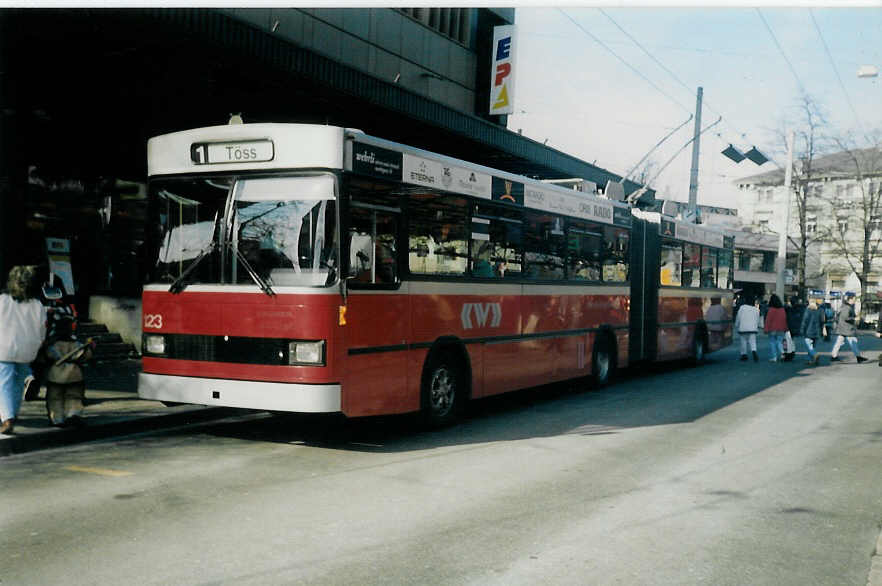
(768, 262)
(875, 223)
(671, 263)
(811, 224)
(438, 242)
(452, 22)
(842, 225)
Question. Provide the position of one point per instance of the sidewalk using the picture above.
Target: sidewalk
(112, 408)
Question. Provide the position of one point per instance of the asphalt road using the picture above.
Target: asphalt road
(729, 473)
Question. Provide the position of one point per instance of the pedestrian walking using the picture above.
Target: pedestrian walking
(747, 325)
(775, 326)
(846, 331)
(811, 328)
(794, 310)
(22, 329)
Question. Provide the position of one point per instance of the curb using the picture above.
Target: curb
(21, 444)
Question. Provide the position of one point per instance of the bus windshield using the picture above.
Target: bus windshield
(278, 231)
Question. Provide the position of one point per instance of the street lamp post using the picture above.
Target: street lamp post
(782, 235)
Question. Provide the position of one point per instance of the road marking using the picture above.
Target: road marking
(99, 471)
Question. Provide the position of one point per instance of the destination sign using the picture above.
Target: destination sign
(219, 153)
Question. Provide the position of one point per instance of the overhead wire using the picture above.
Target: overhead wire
(781, 50)
(625, 63)
(838, 77)
(667, 69)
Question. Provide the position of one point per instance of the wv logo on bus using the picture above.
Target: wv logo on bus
(476, 315)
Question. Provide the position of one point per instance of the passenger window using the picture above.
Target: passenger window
(437, 238)
(615, 260)
(372, 249)
(724, 272)
(691, 265)
(708, 267)
(671, 263)
(544, 247)
(497, 235)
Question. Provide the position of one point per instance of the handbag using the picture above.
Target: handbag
(789, 347)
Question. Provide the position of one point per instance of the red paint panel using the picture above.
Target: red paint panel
(296, 317)
(464, 316)
(377, 382)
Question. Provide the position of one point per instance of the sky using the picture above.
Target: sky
(586, 83)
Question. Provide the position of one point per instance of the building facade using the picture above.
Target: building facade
(842, 221)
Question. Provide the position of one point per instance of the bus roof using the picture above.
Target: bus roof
(267, 147)
(240, 147)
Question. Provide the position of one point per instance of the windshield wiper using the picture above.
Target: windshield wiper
(264, 286)
(180, 283)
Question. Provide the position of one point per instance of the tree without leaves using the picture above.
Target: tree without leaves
(856, 236)
(808, 141)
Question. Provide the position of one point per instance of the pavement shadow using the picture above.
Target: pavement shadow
(642, 396)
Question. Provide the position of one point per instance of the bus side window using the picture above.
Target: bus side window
(616, 245)
(708, 267)
(691, 271)
(584, 252)
(372, 250)
(724, 272)
(437, 235)
(544, 247)
(497, 234)
(671, 263)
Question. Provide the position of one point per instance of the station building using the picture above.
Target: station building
(81, 91)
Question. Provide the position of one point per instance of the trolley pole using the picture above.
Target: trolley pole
(782, 235)
(693, 174)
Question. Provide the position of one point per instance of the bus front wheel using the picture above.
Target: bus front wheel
(443, 391)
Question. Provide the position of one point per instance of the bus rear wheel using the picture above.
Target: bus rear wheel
(443, 391)
(602, 362)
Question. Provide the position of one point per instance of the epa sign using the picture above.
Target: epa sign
(502, 70)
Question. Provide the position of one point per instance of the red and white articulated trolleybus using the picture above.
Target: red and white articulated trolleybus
(316, 269)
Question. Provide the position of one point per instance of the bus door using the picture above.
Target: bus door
(377, 314)
(644, 290)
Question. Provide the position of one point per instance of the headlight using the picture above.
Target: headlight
(306, 352)
(154, 344)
